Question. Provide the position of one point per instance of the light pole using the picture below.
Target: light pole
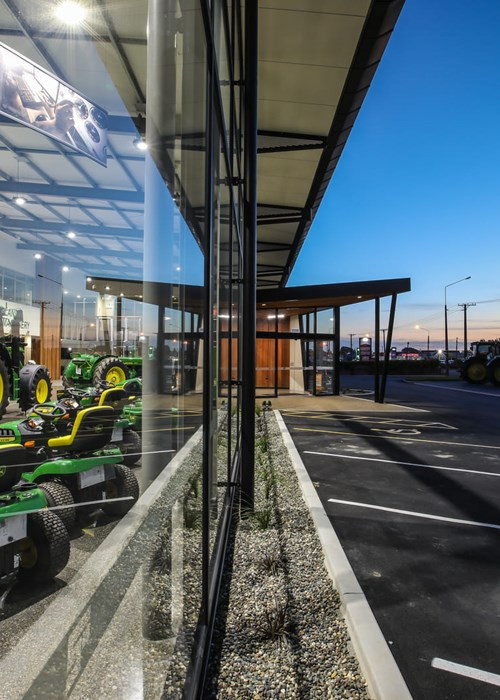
(446, 320)
(428, 335)
(351, 337)
(383, 335)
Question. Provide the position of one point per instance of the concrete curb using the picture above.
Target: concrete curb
(28, 658)
(379, 668)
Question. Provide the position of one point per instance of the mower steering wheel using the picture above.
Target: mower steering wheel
(76, 393)
(52, 412)
(104, 384)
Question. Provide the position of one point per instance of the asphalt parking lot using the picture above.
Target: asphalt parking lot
(415, 500)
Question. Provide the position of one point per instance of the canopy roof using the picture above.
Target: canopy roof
(316, 63)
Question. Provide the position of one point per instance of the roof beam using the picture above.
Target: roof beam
(57, 227)
(80, 250)
(69, 191)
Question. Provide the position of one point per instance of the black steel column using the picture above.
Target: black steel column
(388, 348)
(336, 351)
(315, 358)
(377, 350)
(276, 353)
(249, 259)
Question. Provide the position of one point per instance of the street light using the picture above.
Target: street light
(428, 335)
(446, 319)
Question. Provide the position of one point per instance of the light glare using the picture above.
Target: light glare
(71, 13)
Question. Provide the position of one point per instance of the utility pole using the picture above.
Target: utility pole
(351, 337)
(465, 307)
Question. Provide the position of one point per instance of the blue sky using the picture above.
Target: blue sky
(417, 190)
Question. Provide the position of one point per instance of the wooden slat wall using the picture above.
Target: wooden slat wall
(48, 293)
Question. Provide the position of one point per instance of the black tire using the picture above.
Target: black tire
(493, 372)
(103, 370)
(35, 386)
(4, 388)
(475, 371)
(59, 495)
(131, 447)
(124, 484)
(45, 550)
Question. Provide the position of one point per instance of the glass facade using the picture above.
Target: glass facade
(122, 192)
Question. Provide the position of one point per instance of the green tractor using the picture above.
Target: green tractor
(87, 369)
(82, 460)
(34, 541)
(26, 383)
(484, 363)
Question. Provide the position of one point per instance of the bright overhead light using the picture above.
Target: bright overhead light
(121, 294)
(107, 288)
(65, 291)
(78, 296)
(89, 279)
(140, 144)
(65, 268)
(38, 256)
(20, 201)
(71, 234)
(71, 12)
(178, 268)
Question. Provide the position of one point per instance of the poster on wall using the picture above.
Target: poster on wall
(36, 98)
(19, 319)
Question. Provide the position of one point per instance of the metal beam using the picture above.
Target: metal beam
(80, 250)
(77, 192)
(57, 227)
(116, 125)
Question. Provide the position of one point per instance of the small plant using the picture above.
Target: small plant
(274, 625)
(268, 488)
(262, 444)
(271, 562)
(263, 518)
(192, 518)
(258, 409)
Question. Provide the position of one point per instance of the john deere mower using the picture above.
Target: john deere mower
(25, 383)
(88, 369)
(81, 460)
(34, 542)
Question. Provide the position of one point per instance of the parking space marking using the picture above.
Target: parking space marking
(405, 464)
(375, 420)
(454, 388)
(394, 437)
(392, 405)
(468, 671)
(415, 514)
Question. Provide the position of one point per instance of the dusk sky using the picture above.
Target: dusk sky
(416, 192)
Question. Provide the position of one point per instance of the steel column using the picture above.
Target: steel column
(388, 348)
(336, 351)
(249, 259)
(377, 350)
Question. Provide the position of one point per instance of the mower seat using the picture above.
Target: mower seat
(116, 398)
(91, 431)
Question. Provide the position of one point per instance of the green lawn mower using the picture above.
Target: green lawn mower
(34, 542)
(87, 369)
(26, 383)
(82, 461)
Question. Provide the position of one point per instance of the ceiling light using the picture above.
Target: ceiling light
(140, 144)
(89, 279)
(20, 201)
(65, 268)
(71, 12)
(38, 256)
(71, 234)
(121, 294)
(78, 296)
(107, 288)
(178, 268)
(65, 291)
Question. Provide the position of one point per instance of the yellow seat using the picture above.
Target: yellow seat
(91, 430)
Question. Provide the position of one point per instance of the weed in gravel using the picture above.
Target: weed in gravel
(262, 443)
(274, 625)
(271, 562)
(263, 518)
(258, 409)
(192, 518)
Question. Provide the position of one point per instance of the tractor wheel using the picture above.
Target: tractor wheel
(45, 550)
(110, 369)
(35, 386)
(131, 447)
(493, 372)
(4, 388)
(475, 372)
(124, 484)
(59, 495)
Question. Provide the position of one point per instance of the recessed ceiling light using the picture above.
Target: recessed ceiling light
(20, 201)
(65, 291)
(38, 256)
(71, 12)
(71, 234)
(121, 294)
(107, 288)
(78, 296)
(89, 279)
(140, 144)
(65, 268)
(178, 268)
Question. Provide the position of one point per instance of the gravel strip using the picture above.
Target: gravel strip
(279, 632)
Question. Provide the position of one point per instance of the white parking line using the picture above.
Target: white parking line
(468, 671)
(458, 521)
(454, 388)
(392, 405)
(405, 464)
